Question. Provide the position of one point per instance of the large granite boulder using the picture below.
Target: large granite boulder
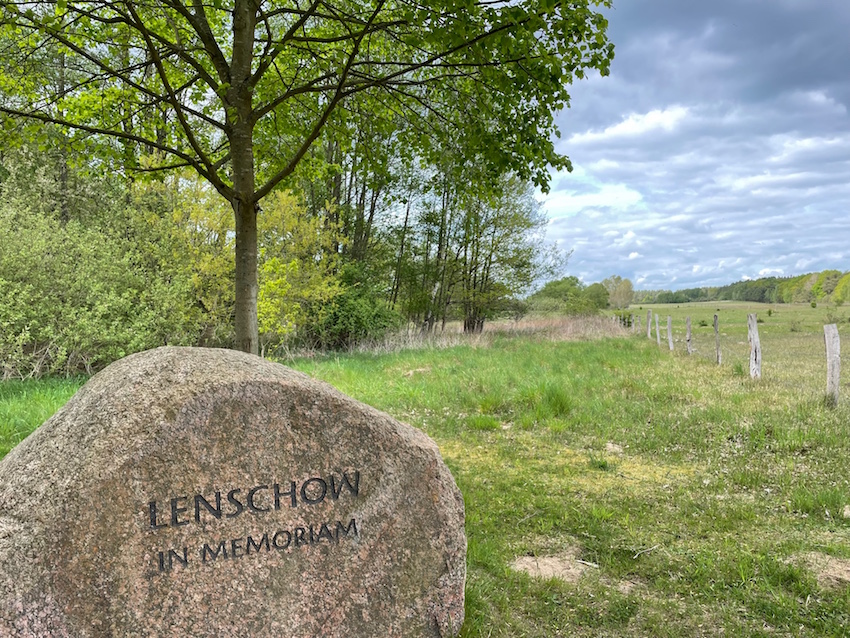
(199, 493)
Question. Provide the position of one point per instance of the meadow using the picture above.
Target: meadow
(614, 488)
(791, 337)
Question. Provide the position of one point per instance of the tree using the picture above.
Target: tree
(620, 291)
(597, 296)
(239, 92)
(499, 248)
(568, 295)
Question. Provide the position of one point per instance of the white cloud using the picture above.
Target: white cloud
(634, 255)
(636, 124)
(562, 203)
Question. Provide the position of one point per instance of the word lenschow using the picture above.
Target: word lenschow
(184, 510)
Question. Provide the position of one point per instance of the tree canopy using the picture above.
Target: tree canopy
(240, 91)
(620, 291)
(569, 295)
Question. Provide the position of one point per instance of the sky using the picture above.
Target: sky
(717, 150)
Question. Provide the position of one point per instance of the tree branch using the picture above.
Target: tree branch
(317, 128)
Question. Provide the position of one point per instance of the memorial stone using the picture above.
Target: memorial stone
(199, 492)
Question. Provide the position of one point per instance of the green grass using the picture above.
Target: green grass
(691, 495)
(24, 405)
(698, 523)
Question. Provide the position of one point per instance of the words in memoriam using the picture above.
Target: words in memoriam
(180, 511)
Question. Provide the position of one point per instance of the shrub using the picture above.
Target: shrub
(358, 314)
(73, 299)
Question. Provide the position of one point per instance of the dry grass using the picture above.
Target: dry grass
(554, 328)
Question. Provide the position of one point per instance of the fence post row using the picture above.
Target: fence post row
(755, 346)
(833, 362)
(830, 335)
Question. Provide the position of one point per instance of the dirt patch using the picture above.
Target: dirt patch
(410, 373)
(613, 448)
(831, 572)
(564, 566)
(626, 586)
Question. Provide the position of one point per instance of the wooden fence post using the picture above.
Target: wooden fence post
(637, 325)
(833, 362)
(632, 322)
(670, 332)
(657, 330)
(688, 335)
(649, 324)
(755, 346)
(717, 340)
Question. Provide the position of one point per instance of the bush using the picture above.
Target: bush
(358, 314)
(73, 299)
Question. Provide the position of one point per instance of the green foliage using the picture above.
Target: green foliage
(357, 314)
(620, 291)
(597, 296)
(240, 94)
(829, 285)
(826, 283)
(297, 268)
(74, 298)
(841, 293)
(570, 297)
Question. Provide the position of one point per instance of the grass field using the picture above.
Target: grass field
(791, 336)
(615, 489)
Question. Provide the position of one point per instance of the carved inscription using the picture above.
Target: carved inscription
(180, 511)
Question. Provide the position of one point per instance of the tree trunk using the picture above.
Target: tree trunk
(240, 97)
(399, 262)
(247, 285)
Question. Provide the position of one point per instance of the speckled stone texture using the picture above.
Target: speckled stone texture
(209, 493)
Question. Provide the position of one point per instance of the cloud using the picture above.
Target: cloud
(718, 148)
(635, 125)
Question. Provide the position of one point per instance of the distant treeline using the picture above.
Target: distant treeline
(827, 286)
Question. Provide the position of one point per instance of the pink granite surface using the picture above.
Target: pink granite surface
(199, 492)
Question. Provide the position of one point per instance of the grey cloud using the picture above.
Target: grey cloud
(736, 159)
